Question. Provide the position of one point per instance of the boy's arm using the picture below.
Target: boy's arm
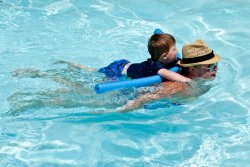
(172, 76)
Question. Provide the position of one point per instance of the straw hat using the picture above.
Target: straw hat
(197, 53)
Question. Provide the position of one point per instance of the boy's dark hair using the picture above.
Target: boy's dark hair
(159, 44)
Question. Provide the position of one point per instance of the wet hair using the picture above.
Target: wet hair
(159, 44)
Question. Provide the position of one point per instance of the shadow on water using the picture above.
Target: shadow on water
(76, 89)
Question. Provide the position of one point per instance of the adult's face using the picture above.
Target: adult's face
(205, 71)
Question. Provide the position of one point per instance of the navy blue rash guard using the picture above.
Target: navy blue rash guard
(147, 68)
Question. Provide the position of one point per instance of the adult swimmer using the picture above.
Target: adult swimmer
(198, 61)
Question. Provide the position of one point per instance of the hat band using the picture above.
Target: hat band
(198, 59)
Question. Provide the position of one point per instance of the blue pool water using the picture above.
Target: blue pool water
(48, 110)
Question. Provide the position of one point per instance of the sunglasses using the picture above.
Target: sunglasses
(212, 67)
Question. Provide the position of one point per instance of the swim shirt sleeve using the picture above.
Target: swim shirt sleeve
(144, 69)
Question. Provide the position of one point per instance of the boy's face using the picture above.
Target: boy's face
(169, 57)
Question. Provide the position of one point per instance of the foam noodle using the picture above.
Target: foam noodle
(140, 82)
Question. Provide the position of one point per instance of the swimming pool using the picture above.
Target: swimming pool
(47, 108)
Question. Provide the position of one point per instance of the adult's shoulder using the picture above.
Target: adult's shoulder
(172, 87)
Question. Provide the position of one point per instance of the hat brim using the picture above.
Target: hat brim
(215, 59)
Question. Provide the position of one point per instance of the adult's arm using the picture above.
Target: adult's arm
(166, 89)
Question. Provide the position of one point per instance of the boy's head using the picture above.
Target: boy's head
(160, 46)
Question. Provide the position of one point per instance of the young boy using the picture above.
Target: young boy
(163, 56)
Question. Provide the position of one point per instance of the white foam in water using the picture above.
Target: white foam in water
(103, 6)
(209, 154)
(57, 7)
